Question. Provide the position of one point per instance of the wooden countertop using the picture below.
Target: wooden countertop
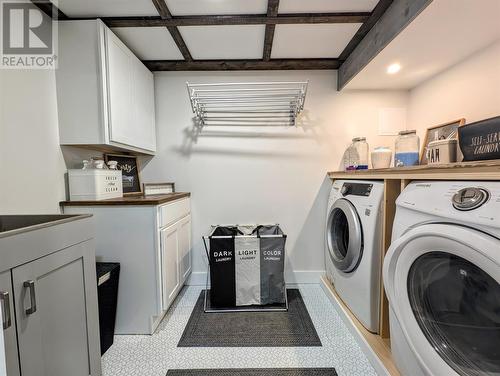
(482, 170)
(131, 200)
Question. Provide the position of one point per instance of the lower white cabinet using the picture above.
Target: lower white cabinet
(175, 245)
(152, 243)
(185, 247)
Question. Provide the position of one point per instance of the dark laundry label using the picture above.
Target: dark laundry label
(222, 273)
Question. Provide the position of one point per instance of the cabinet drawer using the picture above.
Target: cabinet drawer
(174, 211)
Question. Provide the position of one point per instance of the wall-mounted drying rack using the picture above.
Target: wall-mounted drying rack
(247, 103)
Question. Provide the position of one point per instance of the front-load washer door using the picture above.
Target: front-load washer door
(443, 283)
(344, 236)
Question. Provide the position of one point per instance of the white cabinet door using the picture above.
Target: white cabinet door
(8, 325)
(131, 97)
(144, 107)
(52, 317)
(185, 246)
(120, 76)
(169, 238)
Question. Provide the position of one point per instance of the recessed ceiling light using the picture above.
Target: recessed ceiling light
(393, 68)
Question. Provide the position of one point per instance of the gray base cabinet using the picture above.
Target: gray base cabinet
(51, 313)
(9, 324)
(53, 328)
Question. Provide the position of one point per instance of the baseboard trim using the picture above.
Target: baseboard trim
(299, 277)
(382, 361)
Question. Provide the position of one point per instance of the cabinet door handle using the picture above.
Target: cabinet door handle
(6, 318)
(30, 285)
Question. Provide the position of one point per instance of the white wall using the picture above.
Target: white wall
(263, 174)
(470, 90)
(31, 164)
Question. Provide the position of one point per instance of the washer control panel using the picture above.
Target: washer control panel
(470, 198)
(356, 189)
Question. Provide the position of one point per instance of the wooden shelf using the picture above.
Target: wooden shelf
(484, 170)
(380, 346)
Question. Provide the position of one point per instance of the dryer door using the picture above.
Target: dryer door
(344, 236)
(443, 283)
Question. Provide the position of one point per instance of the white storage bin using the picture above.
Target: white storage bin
(94, 184)
(442, 151)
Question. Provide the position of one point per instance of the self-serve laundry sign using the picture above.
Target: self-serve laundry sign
(29, 36)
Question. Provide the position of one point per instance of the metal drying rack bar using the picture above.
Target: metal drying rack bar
(250, 103)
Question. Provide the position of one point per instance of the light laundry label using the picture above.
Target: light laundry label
(247, 271)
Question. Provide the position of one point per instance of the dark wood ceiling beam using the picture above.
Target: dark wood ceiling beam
(165, 15)
(392, 22)
(272, 11)
(243, 19)
(219, 65)
(378, 11)
(49, 9)
(162, 8)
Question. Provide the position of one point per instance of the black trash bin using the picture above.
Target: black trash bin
(108, 274)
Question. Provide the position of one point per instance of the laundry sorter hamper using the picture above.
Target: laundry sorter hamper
(246, 266)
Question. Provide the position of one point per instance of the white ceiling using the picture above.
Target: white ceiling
(445, 33)
(149, 43)
(107, 8)
(217, 7)
(325, 6)
(312, 41)
(224, 42)
(227, 42)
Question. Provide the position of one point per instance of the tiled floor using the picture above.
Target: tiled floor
(154, 355)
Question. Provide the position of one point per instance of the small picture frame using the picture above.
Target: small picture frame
(130, 172)
(440, 132)
(150, 189)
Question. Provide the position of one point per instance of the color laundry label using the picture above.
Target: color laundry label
(272, 264)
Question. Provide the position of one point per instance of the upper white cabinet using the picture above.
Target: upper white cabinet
(105, 93)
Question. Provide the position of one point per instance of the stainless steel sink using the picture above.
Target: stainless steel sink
(16, 222)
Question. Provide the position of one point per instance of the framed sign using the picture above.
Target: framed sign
(158, 188)
(480, 140)
(440, 132)
(130, 172)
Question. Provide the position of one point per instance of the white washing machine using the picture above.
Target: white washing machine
(354, 246)
(442, 275)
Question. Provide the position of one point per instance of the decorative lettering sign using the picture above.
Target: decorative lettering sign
(481, 140)
(130, 172)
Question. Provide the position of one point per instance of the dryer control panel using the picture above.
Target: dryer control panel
(356, 189)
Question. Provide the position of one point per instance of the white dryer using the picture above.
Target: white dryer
(354, 246)
(442, 278)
